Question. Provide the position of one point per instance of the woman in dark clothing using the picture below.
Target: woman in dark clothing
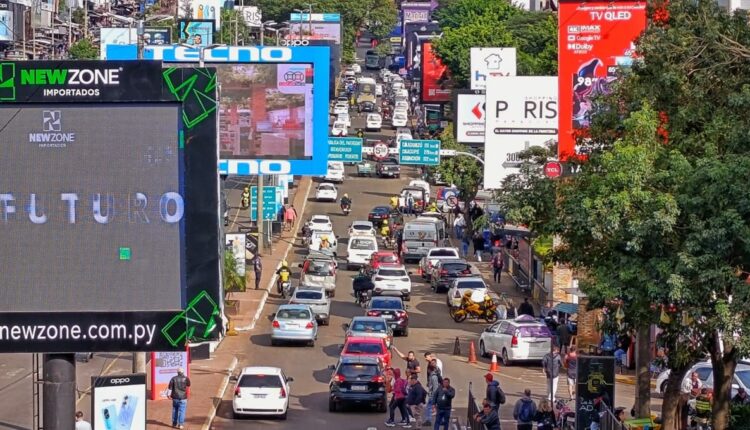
(478, 245)
(545, 416)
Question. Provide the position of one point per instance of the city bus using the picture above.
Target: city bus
(373, 60)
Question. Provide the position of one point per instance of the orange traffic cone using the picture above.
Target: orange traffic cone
(493, 365)
(472, 353)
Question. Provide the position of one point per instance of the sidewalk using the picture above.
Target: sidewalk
(210, 378)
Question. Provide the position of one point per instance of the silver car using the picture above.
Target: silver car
(369, 327)
(319, 271)
(294, 323)
(316, 298)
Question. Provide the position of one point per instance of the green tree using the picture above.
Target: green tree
(458, 13)
(234, 30)
(84, 49)
(232, 279)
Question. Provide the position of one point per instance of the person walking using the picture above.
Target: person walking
(459, 223)
(465, 241)
(429, 356)
(525, 308)
(258, 269)
(409, 204)
(524, 411)
(497, 266)
(415, 400)
(434, 381)
(551, 364)
(494, 394)
(178, 387)
(398, 401)
(81, 424)
(571, 363)
(563, 336)
(443, 401)
(478, 241)
(290, 215)
(545, 416)
(412, 364)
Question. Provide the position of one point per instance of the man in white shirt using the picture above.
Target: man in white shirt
(689, 390)
(429, 356)
(81, 424)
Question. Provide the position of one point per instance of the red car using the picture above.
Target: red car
(356, 346)
(383, 258)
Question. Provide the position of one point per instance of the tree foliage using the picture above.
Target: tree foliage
(659, 216)
(84, 49)
(482, 23)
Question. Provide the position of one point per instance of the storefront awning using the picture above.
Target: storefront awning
(566, 308)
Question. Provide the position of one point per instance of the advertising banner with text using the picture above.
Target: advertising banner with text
(596, 38)
(435, 76)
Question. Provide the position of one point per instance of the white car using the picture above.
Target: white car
(392, 280)
(521, 339)
(339, 129)
(362, 227)
(261, 391)
(341, 108)
(356, 68)
(349, 73)
(433, 255)
(401, 104)
(335, 172)
(460, 286)
(399, 119)
(374, 122)
(317, 237)
(378, 90)
(403, 133)
(359, 250)
(421, 184)
(326, 191)
(320, 223)
(344, 118)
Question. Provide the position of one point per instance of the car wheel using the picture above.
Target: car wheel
(482, 351)
(332, 405)
(506, 360)
(663, 388)
(405, 332)
(283, 416)
(274, 342)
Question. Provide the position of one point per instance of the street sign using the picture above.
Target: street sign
(420, 152)
(447, 152)
(553, 169)
(380, 150)
(346, 149)
(270, 203)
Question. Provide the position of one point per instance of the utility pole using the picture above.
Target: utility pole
(259, 215)
(59, 391)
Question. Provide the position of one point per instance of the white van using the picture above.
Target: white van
(421, 235)
(359, 250)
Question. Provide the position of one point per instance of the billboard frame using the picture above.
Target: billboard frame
(422, 87)
(318, 56)
(456, 94)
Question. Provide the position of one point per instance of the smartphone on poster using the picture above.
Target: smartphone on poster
(127, 412)
(108, 415)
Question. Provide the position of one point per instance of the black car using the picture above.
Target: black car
(445, 271)
(367, 107)
(378, 214)
(359, 381)
(388, 167)
(393, 310)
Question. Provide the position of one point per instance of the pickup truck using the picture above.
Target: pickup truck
(389, 168)
(433, 255)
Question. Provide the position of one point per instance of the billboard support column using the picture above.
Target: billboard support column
(259, 205)
(59, 391)
(139, 362)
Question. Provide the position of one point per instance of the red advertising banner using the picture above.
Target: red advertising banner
(435, 77)
(595, 39)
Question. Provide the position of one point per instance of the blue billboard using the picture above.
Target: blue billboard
(273, 114)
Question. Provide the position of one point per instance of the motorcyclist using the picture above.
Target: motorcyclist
(469, 305)
(361, 284)
(283, 274)
(432, 207)
(325, 243)
(360, 133)
(385, 231)
(346, 201)
(245, 203)
(394, 203)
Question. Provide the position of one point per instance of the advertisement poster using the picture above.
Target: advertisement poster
(6, 25)
(119, 402)
(197, 32)
(109, 36)
(595, 385)
(252, 15)
(435, 77)
(595, 39)
(415, 12)
(491, 62)
(157, 36)
(236, 244)
(315, 31)
(470, 117)
(208, 10)
(164, 367)
(521, 112)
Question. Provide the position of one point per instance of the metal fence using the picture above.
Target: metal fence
(607, 421)
(472, 409)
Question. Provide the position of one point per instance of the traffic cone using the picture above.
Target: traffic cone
(472, 353)
(457, 347)
(493, 364)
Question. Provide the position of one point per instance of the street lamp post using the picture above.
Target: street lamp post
(309, 19)
(300, 12)
(263, 30)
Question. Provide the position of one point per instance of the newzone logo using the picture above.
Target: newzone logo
(118, 381)
(52, 135)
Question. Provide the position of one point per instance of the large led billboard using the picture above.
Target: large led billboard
(435, 77)
(314, 31)
(110, 226)
(596, 38)
(274, 113)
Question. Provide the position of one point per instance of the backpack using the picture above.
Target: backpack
(424, 395)
(526, 415)
(499, 397)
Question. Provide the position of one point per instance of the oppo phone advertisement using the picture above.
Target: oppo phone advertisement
(119, 402)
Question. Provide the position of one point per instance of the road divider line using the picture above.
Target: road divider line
(219, 395)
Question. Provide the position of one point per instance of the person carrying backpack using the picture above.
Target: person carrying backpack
(416, 399)
(524, 411)
(495, 394)
(398, 401)
(434, 381)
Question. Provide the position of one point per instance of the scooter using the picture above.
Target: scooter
(284, 288)
(346, 209)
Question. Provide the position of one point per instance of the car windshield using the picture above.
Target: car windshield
(535, 331)
(443, 253)
(358, 370)
(743, 376)
(388, 259)
(326, 187)
(361, 226)
(455, 267)
(399, 117)
(259, 381)
(321, 268)
(309, 295)
(320, 220)
(364, 348)
(293, 314)
(363, 244)
(380, 209)
(387, 304)
(369, 326)
(473, 285)
(391, 272)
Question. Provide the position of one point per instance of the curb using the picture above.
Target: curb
(272, 282)
(219, 395)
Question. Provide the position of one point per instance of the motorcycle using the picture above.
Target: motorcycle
(346, 209)
(362, 286)
(245, 202)
(481, 311)
(284, 288)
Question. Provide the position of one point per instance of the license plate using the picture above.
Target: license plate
(387, 317)
(259, 396)
(359, 387)
(292, 325)
(391, 285)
